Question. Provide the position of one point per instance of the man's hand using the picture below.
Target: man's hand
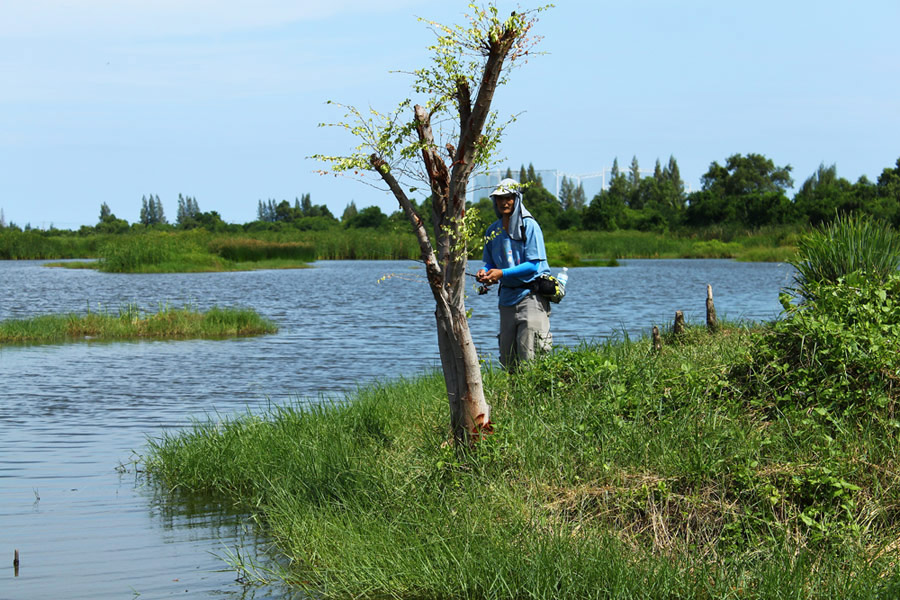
(488, 277)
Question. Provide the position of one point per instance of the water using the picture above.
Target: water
(73, 416)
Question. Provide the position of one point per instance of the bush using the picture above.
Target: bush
(849, 244)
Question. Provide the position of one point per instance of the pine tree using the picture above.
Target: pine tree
(579, 200)
(182, 214)
(674, 174)
(349, 213)
(306, 205)
(614, 172)
(2, 220)
(634, 174)
(566, 193)
(260, 212)
(160, 215)
(145, 211)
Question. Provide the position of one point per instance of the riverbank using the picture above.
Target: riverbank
(200, 251)
(132, 323)
(750, 463)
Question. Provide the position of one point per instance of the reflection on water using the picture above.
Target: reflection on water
(71, 414)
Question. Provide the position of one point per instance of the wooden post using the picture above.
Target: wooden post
(16, 564)
(657, 342)
(711, 322)
(678, 327)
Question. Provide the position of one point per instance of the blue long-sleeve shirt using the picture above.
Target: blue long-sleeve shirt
(521, 262)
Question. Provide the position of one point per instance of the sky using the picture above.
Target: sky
(107, 101)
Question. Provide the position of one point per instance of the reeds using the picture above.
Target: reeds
(133, 323)
(846, 246)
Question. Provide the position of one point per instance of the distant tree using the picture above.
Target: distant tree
(108, 222)
(349, 213)
(188, 210)
(160, 214)
(634, 172)
(606, 212)
(306, 205)
(542, 204)
(748, 190)
(2, 220)
(370, 217)
(824, 195)
(571, 198)
(566, 191)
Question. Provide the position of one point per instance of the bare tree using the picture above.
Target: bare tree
(453, 133)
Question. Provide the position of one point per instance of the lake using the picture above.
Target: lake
(74, 416)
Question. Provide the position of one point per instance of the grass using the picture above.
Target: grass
(197, 250)
(613, 472)
(850, 245)
(132, 323)
(586, 247)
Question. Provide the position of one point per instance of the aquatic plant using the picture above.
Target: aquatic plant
(130, 322)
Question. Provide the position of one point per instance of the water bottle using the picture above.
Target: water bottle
(563, 276)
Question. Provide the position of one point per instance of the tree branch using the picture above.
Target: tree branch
(432, 269)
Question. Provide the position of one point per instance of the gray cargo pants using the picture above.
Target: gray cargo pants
(524, 330)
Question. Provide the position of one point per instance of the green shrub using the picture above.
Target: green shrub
(849, 244)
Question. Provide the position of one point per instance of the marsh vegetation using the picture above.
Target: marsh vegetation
(130, 322)
(756, 462)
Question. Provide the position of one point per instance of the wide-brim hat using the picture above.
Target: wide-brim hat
(507, 187)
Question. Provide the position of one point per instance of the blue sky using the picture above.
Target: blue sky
(110, 100)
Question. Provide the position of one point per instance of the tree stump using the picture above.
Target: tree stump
(678, 327)
(657, 341)
(711, 322)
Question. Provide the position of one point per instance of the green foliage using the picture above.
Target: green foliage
(612, 472)
(132, 323)
(129, 254)
(850, 246)
(253, 250)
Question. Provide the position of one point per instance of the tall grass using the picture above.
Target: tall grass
(764, 245)
(613, 472)
(254, 250)
(20, 245)
(848, 245)
(132, 323)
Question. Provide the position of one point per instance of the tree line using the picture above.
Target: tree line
(746, 192)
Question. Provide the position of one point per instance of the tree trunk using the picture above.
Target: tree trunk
(470, 415)
(712, 323)
(678, 327)
(469, 411)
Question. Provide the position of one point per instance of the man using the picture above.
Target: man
(514, 255)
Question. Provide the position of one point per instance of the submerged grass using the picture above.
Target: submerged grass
(613, 472)
(132, 323)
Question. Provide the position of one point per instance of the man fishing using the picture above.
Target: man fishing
(514, 255)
